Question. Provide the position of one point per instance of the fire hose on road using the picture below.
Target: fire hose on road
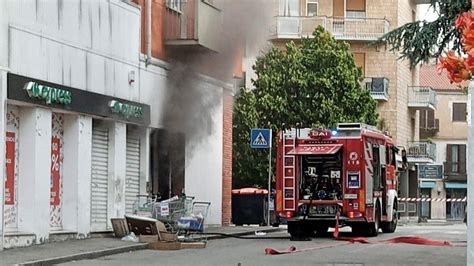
(361, 240)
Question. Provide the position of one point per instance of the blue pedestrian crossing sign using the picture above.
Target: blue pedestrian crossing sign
(261, 138)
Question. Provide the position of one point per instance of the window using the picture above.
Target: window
(459, 112)
(289, 8)
(455, 158)
(355, 9)
(427, 119)
(311, 8)
(174, 4)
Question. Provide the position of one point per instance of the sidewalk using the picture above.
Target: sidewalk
(61, 252)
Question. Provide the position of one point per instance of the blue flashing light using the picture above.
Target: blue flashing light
(334, 132)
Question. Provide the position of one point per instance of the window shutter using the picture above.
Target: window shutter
(355, 5)
(449, 155)
(459, 112)
(462, 158)
(431, 119)
(338, 8)
(423, 120)
(359, 59)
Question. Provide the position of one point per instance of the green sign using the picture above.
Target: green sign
(48, 94)
(126, 110)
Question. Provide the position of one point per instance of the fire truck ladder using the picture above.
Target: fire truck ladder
(289, 171)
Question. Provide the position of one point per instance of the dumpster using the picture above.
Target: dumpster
(249, 206)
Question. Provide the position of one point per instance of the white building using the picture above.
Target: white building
(78, 104)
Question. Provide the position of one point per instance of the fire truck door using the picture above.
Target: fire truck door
(369, 173)
(383, 175)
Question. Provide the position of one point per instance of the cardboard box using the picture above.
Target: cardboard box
(193, 245)
(148, 238)
(120, 227)
(164, 245)
(168, 237)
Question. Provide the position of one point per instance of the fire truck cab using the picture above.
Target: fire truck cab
(349, 172)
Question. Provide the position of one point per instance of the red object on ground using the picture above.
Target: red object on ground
(361, 240)
(336, 228)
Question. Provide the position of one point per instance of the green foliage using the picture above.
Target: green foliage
(312, 83)
(421, 40)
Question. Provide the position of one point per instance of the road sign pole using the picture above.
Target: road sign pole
(269, 177)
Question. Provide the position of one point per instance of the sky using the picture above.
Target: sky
(425, 13)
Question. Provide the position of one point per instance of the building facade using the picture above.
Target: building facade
(84, 87)
(392, 82)
(446, 127)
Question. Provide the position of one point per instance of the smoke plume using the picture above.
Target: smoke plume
(189, 106)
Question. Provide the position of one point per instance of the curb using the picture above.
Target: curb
(85, 255)
(112, 251)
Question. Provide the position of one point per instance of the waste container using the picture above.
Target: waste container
(249, 206)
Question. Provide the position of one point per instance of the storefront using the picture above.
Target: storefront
(74, 159)
(455, 193)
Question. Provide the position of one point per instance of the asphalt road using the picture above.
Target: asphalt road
(242, 252)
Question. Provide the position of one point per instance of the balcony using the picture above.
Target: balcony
(455, 171)
(348, 29)
(421, 98)
(192, 24)
(378, 88)
(421, 152)
(429, 129)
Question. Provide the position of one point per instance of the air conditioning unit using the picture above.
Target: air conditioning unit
(379, 85)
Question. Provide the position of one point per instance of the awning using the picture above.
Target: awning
(455, 185)
(427, 184)
(320, 149)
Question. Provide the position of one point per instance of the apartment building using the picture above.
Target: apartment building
(84, 91)
(447, 129)
(392, 83)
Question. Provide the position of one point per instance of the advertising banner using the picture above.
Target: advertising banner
(10, 169)
(55, 175)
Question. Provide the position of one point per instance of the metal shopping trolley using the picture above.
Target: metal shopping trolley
(171, 210)
(191, 226)
(143, 205)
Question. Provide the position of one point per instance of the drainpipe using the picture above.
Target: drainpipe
(148, 32)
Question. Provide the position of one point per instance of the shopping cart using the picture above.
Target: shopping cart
(191, 226)
(171, 210)
(143, 205)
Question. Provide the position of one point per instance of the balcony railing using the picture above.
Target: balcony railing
(421, 150)
(351, 29)
(455, 171)
(378, 88)
(422, 97)
(193, 23)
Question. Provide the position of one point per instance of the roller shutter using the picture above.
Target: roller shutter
(99, 180)
(132, 183)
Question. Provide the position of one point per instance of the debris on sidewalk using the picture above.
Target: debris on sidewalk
(130, 237)
(156, 234)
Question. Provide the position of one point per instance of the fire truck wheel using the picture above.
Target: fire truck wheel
(389, 227)
(373, 228)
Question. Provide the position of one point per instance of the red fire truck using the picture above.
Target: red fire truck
(350, 172)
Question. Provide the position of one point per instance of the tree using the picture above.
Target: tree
(312, 83)
(421, 40)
